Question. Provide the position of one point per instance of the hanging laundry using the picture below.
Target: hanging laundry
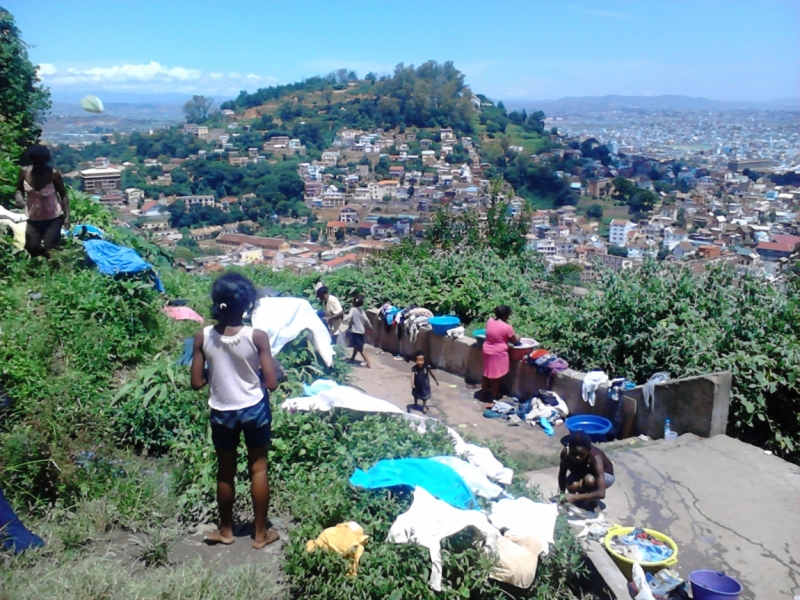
(438, 479)
(592, 381)
(347, 539)
(649, 389)
(284, 319)
(428, 521)
(182, 313)
(113, 260)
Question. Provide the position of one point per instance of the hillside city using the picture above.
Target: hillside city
(720, 188)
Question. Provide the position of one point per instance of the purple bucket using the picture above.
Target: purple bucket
(714, 585)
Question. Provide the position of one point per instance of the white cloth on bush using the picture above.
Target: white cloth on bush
(592, 381)
(341, 396)
(526, 518)
(481, 458)
(283, 319)
(429, 520)
(17, 223)
(472, 476)
(517, 559)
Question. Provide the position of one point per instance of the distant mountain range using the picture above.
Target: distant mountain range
(572, 104)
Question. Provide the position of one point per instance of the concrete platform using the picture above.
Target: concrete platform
(728, 505)
(455, 403)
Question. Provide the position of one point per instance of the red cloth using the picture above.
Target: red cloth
(495, 348)
(182, 313)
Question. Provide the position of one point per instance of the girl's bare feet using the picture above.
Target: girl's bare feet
(217, 537)
(269, 537)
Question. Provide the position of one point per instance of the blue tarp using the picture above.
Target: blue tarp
(438, 479)
(14, 535)
(112, 260)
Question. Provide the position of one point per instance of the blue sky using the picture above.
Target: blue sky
(721, 49)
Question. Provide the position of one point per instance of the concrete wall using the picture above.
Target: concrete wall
(696, 405)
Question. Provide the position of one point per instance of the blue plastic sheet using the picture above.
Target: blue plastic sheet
(14, 535)
(441, 481)
(320, 385)
(112, 260)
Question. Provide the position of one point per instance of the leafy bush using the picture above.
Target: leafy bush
(658, 318)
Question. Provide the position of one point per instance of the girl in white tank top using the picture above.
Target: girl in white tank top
(240, 367)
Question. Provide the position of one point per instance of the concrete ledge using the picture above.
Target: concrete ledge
(696, 405)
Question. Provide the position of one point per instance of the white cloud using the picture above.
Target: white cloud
(46, 69)
(151, 77)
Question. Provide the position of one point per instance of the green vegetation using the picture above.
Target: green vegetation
(659, 318)
(105, 433)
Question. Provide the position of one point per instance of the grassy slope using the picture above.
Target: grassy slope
(105, 434)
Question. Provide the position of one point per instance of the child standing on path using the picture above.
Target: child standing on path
(421, 374)
(358, 323)
(240, 366)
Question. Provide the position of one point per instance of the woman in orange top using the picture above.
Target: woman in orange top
(41, 189)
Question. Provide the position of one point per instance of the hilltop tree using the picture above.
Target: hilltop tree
(196, 109)
(24, 101)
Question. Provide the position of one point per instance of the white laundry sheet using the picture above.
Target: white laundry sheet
(526, 518)
(283, 319)
(17, 223)
(472, 476)
(481, 458)
(341, 396)
(353, 399)
(428, 521)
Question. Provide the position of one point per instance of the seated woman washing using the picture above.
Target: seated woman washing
(585, 472)
(495, 353)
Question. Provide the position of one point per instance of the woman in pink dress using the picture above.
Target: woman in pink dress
(495, 353)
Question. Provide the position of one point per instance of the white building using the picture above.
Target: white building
(620, 228)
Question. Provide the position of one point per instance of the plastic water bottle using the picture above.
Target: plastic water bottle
(667, 429)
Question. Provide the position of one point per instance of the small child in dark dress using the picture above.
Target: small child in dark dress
(421, 374)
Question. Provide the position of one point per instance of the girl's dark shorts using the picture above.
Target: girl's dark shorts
(254, 421)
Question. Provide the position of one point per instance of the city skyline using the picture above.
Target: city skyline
(532, 50)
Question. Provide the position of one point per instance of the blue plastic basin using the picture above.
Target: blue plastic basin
(714, 585)
(479, 334)
(441, 325)
(596, 428)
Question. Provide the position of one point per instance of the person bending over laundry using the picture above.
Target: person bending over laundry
(240, 367)
(421, 374)
(585, 471)
(496, 362)
(334, 313)
(358, 323)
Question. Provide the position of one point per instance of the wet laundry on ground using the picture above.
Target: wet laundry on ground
(347, 539)
(437, 478)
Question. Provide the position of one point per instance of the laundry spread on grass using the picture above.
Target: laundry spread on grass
(445, 488)
(438, 479)
(347, 539)
(182, 313)
(14, 536)
(284, 319)
(640, 546)
(111, 259)
(16, 223)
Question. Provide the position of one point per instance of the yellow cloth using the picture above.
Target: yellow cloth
(347, 539)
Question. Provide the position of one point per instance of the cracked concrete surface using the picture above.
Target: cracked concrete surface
(728, 505)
